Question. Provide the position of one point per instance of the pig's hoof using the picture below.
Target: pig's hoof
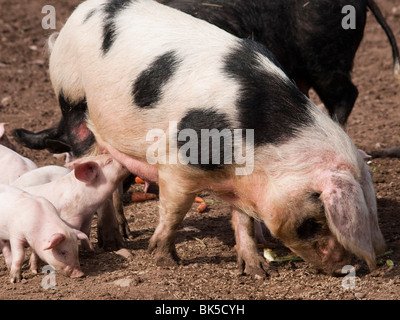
(272, 269)
(257, 272)
(257, 268)
(263, 271)
(124, 230)
(15, 278)
(167, 260)
(165, 252)
(109, 241)
(34, 271)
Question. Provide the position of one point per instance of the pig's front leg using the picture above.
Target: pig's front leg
(175, 202)
(249, 260)
(119, 212)
(18, 254)
(108, 235)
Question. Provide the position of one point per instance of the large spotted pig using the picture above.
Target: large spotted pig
(295, 32)
(145, 69)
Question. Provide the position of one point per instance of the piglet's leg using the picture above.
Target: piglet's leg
(5, 248)
(249, 260)
(18, 253)
(175, 201)
(34, 262)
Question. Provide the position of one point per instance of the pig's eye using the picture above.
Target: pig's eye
(308, 229)
(109, 161)
(62, 255)
(315, 196)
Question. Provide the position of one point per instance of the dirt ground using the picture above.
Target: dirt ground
(206, 242)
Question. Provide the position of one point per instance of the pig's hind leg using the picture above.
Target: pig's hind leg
(175, 201)
(338, 93)
(5, 248)
(34, 262)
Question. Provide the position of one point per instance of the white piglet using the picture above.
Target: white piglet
(3, 137)
(13, 165)
(40, 176)
(27, 219)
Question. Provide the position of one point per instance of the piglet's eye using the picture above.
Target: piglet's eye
(308, 229)
(109, 161)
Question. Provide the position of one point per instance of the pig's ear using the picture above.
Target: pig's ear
(348, 216)
(55, 240)
(364, 155)
(73, 164)
(84, 238)
(87, 171)
(57, 146)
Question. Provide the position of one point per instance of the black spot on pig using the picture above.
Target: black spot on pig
(308, 229)
(214, 139)
(268, 103)
(111, 9)
(147, 89)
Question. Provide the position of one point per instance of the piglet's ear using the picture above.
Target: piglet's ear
(55, 240)
(87, 171)
(84, 238)
(73, 164)
(349, 218)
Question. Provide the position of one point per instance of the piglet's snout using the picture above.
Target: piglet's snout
(77, 273)
(73, 272)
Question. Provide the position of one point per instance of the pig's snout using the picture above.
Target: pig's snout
(334, 258)
(73, 272)
(329, 261)
(77, 273)
(314, 242)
